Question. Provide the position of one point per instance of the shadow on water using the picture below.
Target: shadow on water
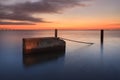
(30, 60)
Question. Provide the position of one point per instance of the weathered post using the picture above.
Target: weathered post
(56, 33)
(102, 44)
(102, 37)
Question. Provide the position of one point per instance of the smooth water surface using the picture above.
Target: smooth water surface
(80, 61)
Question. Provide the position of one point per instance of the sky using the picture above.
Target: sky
(59, 14)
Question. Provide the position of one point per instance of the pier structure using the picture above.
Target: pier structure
(44, 44)
(102, 36)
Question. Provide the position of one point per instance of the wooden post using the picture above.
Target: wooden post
(102, 36)
(102, 44)
(56, 33)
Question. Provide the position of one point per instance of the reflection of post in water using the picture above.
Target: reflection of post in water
(102, 48)
(30, 60)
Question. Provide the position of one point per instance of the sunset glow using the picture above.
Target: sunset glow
(95, 14)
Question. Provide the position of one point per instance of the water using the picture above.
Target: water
(80, 62)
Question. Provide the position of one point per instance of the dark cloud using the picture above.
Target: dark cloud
(23, 11)
(19, 16)
(47, 6)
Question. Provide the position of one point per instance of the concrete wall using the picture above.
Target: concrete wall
(31, 43)
(40, 44)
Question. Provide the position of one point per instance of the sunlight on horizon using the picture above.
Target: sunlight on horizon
(95, 14)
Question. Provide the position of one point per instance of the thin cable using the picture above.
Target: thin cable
(76, 41)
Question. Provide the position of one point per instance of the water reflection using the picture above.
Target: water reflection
(79, 63)
(102, 49)
(30, 60)
(102, 53)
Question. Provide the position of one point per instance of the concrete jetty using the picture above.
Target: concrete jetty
(43, 45)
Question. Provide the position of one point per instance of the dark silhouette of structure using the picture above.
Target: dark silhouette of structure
(56, 33)
(102, 37)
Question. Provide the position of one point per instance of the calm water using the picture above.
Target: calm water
(80, 62)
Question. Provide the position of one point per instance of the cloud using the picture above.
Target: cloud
(19, 16)
(15, 23)
(47, 6)
(20, 10)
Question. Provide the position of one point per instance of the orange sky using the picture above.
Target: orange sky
(99, 14)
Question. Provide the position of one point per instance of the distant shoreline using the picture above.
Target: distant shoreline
(60, 30)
